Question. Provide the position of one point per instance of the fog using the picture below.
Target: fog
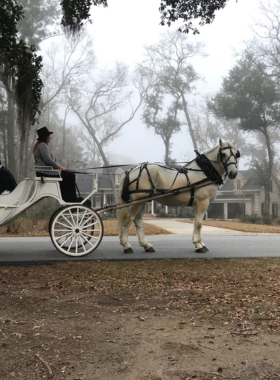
(120, 33)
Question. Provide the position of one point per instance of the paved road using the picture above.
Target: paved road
(223, 243)
(29, 251)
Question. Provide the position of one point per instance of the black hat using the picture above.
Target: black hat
(43, 132)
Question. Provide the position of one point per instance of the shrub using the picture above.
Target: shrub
(266, 219)
(217, 216)
(162, 215)
(241, 217)
(109, 215)
(16, 226)
(254, 218)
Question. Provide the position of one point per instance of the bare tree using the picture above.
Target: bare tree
(265, 47)
(60, 73)
(96, 103)
(208, 128)
(171, 79)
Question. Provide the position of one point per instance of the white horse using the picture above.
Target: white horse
(152, 179)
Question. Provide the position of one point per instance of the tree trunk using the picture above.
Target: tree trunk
(26, 155)
(5, 144)
(106, 163)
(21, 159)
(11, 135)
(185, 108)
(268, 174)
(64, 137)
(166, 158)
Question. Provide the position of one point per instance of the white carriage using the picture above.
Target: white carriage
(75, 229)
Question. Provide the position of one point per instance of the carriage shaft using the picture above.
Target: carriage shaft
(151, 198)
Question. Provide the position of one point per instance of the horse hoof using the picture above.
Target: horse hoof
(205, 248)
(151, 249)
(128, 250)
(200, 250)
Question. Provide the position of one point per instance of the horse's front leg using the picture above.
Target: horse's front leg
(200, 210)
(138, 221)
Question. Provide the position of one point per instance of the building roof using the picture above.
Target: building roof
(251, 184)
(84, 181)
(230, 196)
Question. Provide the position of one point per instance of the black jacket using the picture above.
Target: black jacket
(7, 181)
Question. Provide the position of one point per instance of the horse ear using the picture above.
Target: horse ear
(234, 142)
(221, 143)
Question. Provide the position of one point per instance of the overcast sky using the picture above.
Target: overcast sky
(120, 33)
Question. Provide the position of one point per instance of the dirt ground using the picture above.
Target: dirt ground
(148, 320)
(41, 229)
(111, 228)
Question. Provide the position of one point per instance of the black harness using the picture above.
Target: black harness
(226, 163)
(202, 161)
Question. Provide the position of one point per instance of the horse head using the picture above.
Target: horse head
(228, 156)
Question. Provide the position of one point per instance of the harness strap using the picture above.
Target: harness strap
(202, 161)
(192, 197)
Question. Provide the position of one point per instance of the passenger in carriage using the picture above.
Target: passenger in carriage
(7, 181)
(43, 156)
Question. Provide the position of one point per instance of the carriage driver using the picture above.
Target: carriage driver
(43, 156)
(7, 181)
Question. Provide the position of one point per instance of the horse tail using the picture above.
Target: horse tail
(121, 213)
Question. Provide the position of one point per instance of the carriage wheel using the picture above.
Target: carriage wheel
(76, 230)
(68, 243)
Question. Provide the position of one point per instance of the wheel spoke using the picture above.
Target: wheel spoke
(70, 245)
(60, 237)
(90, 242)
(64, 225)
(91, 236)
(62, 230)
(72, 217)
(77, 215)
(67, 220)
(83, 215)
(88, 220)
(92, 224)
(82, 243)
(66, 240)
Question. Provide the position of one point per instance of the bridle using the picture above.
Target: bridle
(226, 163)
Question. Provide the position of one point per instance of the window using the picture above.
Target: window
(110, 199)
(238, 184)
(275, 208)
(262, 210)
(118, 178)
(97, 202)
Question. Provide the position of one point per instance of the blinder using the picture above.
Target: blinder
(226, 163)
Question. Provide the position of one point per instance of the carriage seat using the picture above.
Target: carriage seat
(19, 195)
(52, 175)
